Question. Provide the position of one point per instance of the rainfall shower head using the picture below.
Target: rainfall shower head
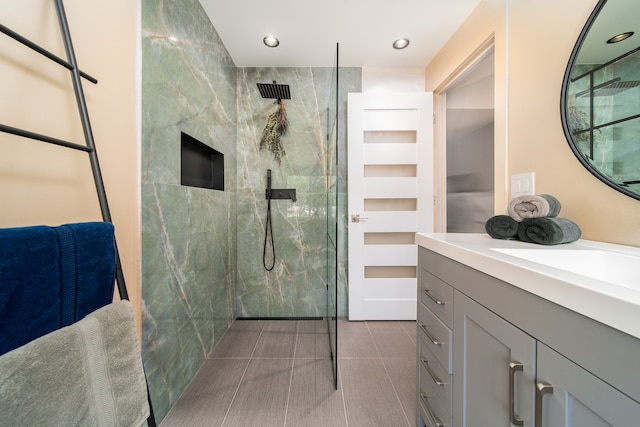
(274, 91)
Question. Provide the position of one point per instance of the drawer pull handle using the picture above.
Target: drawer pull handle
(431, 338)
(513, 368)
(434, 299)
(432, 374)
(541, 390)
(433, 417)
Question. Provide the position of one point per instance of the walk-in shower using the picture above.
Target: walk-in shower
(293, 156)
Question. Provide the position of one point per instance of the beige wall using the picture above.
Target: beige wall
(45, 184)
(533, 41)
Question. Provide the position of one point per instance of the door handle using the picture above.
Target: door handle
(432, 415)
(432, 374)
(541, 390)
(513, 368)
(434, 299)
(428, 334)
(358, 218)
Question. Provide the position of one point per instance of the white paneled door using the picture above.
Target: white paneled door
(390, 197)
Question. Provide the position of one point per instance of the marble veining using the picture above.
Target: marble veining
(188, 234)
(202, 249)
(296, 286)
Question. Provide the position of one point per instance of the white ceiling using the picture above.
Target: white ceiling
(616, 17)
(309, 30)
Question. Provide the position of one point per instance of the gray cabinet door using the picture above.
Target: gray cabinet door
(574, 397)
(487, 390)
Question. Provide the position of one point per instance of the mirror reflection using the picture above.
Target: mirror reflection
(601, 95)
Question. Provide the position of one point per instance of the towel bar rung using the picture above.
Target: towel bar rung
(44, 138)
(17, 37)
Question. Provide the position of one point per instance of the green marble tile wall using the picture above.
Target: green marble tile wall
(296, 285)
(202, 249)
(188, 234)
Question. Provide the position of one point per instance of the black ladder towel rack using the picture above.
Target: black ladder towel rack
(89, 147)
(71, 64)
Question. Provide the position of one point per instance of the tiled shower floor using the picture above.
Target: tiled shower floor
(278, 373)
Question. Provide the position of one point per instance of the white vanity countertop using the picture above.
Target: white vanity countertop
(616, 305)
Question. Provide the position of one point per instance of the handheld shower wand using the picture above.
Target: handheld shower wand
(268, 230)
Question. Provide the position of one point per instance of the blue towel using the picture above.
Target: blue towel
(50, 277)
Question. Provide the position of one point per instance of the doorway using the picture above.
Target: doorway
(390, 198)
(467, 140)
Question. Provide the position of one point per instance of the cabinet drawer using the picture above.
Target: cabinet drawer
(436, 336)
(433, 412)
(433, 378)
(437, 296)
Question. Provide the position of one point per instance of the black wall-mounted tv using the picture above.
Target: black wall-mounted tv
(201, 165)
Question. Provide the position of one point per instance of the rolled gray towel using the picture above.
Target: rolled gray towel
(548, 231)
(533, 206)
(502, 227)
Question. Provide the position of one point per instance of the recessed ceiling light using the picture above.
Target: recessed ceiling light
(271, 41)
(400, 43)
(620, 37)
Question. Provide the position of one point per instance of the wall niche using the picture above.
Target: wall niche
(201, 165)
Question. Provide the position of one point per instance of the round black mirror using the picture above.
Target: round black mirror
(600, 99)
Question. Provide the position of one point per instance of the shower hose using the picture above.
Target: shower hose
(268, 231)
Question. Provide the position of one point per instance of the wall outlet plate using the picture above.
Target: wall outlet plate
(522, 184)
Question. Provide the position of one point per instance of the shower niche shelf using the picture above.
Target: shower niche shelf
(200, 165)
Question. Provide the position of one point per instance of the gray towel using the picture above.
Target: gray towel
(86, 374)
(533, 206)
(548, 231)
(502, 227)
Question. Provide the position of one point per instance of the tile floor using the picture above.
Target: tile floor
(278, 373)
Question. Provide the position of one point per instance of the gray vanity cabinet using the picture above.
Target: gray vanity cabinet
(569, 396)
(434, 341)
(507, 357)
(494, 365)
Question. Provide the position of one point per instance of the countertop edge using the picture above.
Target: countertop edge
(611, 305)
